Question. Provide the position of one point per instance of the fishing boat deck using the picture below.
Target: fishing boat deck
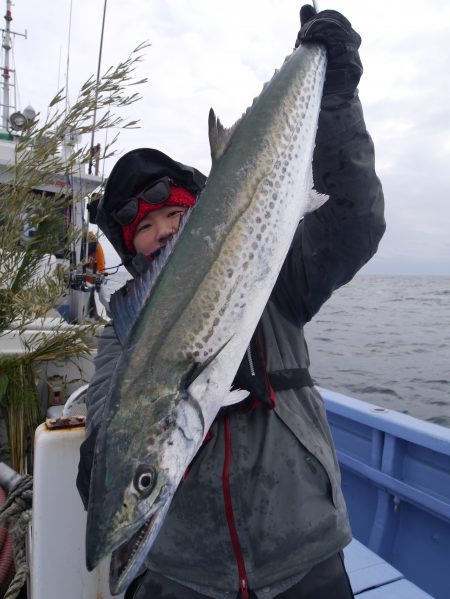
(373, 578)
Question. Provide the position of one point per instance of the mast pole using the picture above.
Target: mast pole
(91, 157)
(5, 105)
(6, 45)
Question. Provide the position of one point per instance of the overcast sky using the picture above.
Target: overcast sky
(205, 53)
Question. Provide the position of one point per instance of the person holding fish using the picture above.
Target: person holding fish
(208, 468)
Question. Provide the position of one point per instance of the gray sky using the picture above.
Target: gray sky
(218, 54)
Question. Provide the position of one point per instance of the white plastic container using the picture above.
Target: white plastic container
(57, 539)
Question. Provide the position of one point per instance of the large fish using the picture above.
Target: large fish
(187, 323)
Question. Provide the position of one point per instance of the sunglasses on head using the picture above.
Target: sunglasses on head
(155, 193)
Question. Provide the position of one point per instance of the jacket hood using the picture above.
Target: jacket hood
(132, 172)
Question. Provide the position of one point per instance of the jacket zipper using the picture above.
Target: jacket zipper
(250, 360)
(243, 580)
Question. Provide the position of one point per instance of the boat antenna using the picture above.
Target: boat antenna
(68, 57)
(92, 150)
(5, 68)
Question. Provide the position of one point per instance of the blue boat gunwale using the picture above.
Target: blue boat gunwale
(427, 434)
(396, 481)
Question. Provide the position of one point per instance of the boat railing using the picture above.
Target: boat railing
(396, 481)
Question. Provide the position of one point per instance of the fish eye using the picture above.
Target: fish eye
(145, 480)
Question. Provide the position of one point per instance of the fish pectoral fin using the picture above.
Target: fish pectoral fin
(235, 396)
(200, 367)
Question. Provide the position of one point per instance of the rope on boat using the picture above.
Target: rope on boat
(16, 514)
(6, 552)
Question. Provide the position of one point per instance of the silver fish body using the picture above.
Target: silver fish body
(192, 330)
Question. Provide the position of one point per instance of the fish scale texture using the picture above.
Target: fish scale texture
(297, 426)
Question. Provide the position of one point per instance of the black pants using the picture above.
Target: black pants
(327, 580)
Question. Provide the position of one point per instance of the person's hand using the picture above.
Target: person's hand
(329, 27)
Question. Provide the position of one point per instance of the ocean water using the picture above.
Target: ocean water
(386, 340)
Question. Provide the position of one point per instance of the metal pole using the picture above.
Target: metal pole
(68, 57)
(6, 44)
(91, 156)
(316, 5)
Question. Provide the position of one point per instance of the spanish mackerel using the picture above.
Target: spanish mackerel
(186, 324)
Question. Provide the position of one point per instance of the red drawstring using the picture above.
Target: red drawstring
(243, 581)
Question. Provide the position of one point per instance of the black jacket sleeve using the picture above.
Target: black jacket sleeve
(334, 242)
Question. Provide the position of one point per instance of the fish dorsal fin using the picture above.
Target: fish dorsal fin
(127, 302)
(220, 136)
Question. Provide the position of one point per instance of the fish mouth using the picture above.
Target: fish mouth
(127, 558)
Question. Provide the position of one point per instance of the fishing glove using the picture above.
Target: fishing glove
(329, 27)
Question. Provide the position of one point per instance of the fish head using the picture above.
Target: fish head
(145, 504)
(135, 475)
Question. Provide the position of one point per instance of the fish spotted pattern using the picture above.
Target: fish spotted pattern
(197, 315)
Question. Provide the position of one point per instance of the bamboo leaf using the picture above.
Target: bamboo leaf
(28, 289)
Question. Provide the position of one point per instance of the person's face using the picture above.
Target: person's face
(155, 229)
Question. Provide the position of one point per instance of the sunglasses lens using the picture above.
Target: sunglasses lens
(157, 193)
(127, 214)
